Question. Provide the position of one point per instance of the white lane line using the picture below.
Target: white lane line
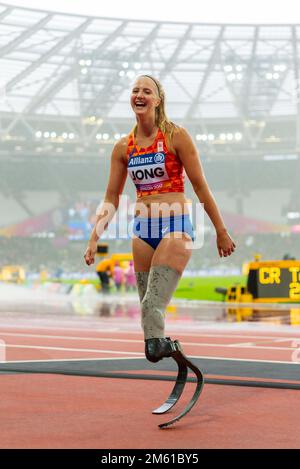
(240, 345)
(99, 327)
(68, 337)
(96, 339)
(51, 360)
(204, 357)
(41, 347)
(243, 344)
(194, 344)
(229, 336)
(287, 340)
(225, 336)
(253, 360)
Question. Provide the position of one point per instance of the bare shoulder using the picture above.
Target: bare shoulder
(120, 148)
(181, 136)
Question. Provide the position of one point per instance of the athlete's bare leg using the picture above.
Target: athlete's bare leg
(173, 252)
(142, 255)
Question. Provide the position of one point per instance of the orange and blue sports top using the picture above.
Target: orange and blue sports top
(154, 170)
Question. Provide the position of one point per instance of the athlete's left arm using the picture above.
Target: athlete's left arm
(188, 154)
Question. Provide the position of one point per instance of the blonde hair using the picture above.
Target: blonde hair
(161, 119)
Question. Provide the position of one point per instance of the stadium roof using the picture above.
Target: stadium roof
(80, 69)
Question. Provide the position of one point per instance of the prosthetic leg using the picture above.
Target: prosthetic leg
(157, 349)
(161, 283)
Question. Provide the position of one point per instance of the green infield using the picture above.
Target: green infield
(203, 288)
(190, 288)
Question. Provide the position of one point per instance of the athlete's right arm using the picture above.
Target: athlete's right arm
(116, 182)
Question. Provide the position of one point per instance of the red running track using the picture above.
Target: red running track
(52, 344)
(52, 411)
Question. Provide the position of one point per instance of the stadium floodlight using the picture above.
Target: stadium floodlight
(293, 215)
(125, 64)
(231, 77)
(130, 74)
(105, 136)
(276, 76)
(46, 134)
(269, 76)
(279, 68)
(116, 136)
(99, 136)
(38, 134)
(53, 134)
(223, 137)
(228, 68)
(65, 135)
(82, 62)
(239, 76)
(137, 66)
(122, 73)
(239, 68)
(238, 136)
(272, 139)
(84, 71)
(211, 137)
(229, 136)
(71, 135)
(198, 137)
(88, 62)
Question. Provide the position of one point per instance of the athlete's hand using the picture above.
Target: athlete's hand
(225, 244)
(90, 252)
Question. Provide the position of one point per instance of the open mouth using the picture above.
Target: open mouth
(140, 105)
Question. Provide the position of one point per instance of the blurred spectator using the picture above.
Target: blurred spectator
(130, 279)
(118, 276)
(60, 258)
(103, 270)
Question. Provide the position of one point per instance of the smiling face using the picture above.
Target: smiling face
(144, 96)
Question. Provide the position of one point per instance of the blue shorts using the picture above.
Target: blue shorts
(153, 230)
